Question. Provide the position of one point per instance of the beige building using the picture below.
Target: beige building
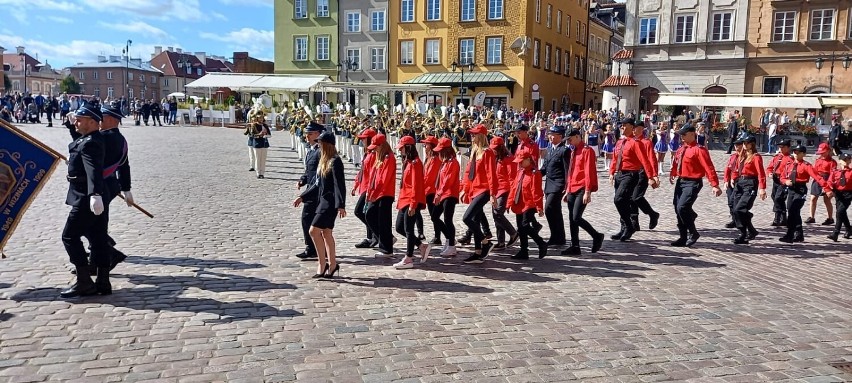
(39, 78)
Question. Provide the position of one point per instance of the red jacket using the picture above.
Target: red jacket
(433, 165)
(634, 157)
(778, 163)
(583, 171)
(532, 197)
(696, 163)
(485, 179)
(448, 181)
(731, 167)
(834, 180)
(753, 168)
(648, 145)
(383, 180)
(411, 190)
(530, 145)
(362, 180)
(506, 169)
(804, 172)
(824, 167)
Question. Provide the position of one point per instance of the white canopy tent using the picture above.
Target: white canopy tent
(253, 82)
(795, 101)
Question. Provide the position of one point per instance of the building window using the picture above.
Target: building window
(556, 63)
(353, 22)
(549, 20)
(822, 24)
(583, 33)
(722, 26)
(141, 78)
(109, 75)
(684, 26)
(466, 47)
(300, 9)
(547, 56)
(536, 53)
(784, 26)
(773, 85)
(199, 71)
(165, 81)
(110, 92)
(129, 92)
(322, 8)
(433, 52)
(579, 24)
(494, 50)
(353, 55)
(94, 75)
(433, 10)
(568, 25)
(407, 11)
(300, 48)
(323, 53)
(129, 76)
(377, 58)
(97, 93)
(578, 67)
(406, 52)
(647, 30)
(16, 85)
(82, 76)
(495, 9)
(559, 22)
(467, 10)
(377, 23)
(538, 11)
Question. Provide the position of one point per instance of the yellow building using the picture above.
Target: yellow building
(599, 56)
(523, 54)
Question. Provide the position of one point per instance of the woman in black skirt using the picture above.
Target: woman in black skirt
(332, 203)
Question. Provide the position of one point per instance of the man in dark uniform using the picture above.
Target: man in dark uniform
(116, 167)
(555, 168)
(629, 157)
(88, 216)
(691, 164)
(835, 135)
(779, 190)
(310, 201)
(639, 201)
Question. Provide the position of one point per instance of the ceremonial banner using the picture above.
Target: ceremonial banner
(25, 166)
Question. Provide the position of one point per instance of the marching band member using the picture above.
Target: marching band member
(841, 184)
(555, 171)
(639, 201)
(750, 183)
(362, 185)
(380, 194)
(779, 190)
(412, 199)
(730, 181)
(446, 194)
(582, 182)
(257, 132)
(309, 200)
(506, 170)
(608, 145)
(525, 200)
(479, 184)
(330, 190)
(796, 176)
(824, 165)
(630, 158)
(432, 167)
(691, 164)
(662, 145)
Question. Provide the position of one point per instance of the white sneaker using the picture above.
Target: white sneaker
(405, 263)
(424, 252)
(383, 255)
(450, 251)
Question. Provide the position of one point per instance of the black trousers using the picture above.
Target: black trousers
(553, 213)
(447, 208)
(379, 217)
(842, 200)
(81, 223)
(430, 207)
(729, 193)
(745, 193)
(473, 217)
(638, 197)
(528, 227)
(362, 215)
(685, 195)
(779, 197)
(500, 221)
(796, 197)
(625, 183)
(405, 225)
(309, 209)
(576, 207)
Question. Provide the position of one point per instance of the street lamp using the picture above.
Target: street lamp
(349, 64)
(126, 52)
(24, 68)
(462, 90)
(845, 61)
(184, 63)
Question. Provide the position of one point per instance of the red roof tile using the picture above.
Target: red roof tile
(619, 81)
(624, 54)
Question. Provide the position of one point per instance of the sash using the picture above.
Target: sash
(113, 168)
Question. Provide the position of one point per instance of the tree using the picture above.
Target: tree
(7, 84)
(69, 85)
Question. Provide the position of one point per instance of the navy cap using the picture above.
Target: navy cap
(627, 120)
(90, 110)
(845, 157)
(686, 129)
(749, 138)
(557, 129)
(523, 127)
(800, 148)
(784, 142)
(328, 138)
(315, 127)
(112, 111)
(574, 132)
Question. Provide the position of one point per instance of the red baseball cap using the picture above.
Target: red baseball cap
(430, 140)
(443, 143)
(479, 129)
(823, 148)
(367, 133)
(405, 140)
(496, 142)
(379, 139)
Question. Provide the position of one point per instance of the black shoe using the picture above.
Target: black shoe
(513, 239)
(473, 258)
(692, 239)
(627, 235)
(571, 251)
(486, 248)
(655, 219)
(330, 274)
(616, 236)
(542, 250)
(522, 255)
(681, 242)
(635, 225)
(786, 239)
(828, 222)
(555, 243)
(102, 284)
(499, 246)
(741, 240)
(117, 257)
(810, 220)
(487, 235)
(251, 170)
(320, 275)
(306, 257)
(260, 177)
(730, 225)
(597, 242)
(364, 244)
(799, 238)
(434, 241)
(463, 240)
(848, 234)
(82, 287)
(833, 236)
(752, 234)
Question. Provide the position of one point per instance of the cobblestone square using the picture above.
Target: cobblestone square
(212, 292)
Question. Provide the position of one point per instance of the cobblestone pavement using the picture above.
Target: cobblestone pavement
(212, 292)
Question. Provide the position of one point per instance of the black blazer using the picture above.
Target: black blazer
(555, 168)
(116, 163)
(329, 189)
(85, 169)
(309, 177)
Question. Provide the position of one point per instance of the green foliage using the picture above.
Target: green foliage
(69, 85)
(231, 100)
(380, 100)
(7, 84)
(667, 109)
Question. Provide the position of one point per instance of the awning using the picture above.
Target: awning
(801, 102)
(470, 78)
(247, 82)
(834, 101)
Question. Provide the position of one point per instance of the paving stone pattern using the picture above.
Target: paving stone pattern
(212, 292)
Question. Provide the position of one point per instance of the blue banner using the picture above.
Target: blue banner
(25, 166)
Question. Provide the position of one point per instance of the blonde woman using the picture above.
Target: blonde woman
(331, 188)
(750, 179)
(479, 186)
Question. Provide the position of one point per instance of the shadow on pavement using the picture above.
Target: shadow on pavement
(196, 263)
(6, 316)
(412, 284)
(5, 285)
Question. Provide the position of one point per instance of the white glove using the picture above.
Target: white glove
(97, 204)
(128, 197)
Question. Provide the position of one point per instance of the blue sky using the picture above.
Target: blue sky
(64, 32)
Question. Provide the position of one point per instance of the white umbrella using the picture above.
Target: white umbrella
(177, 94)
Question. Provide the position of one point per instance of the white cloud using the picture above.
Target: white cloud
(256, 3)
(77, 51)
(257, 41)
(137, 27)
(50, 5)
(219, 16)
(60, 20)
(187, 10)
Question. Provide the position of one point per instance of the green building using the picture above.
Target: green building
(306, 33)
